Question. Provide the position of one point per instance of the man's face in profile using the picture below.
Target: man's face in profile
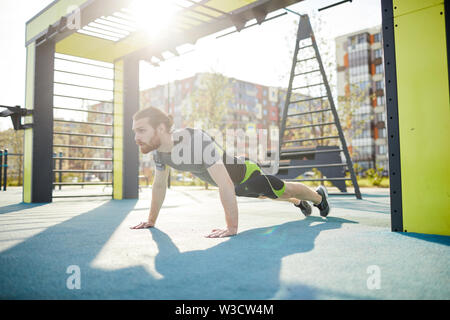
(145, 136)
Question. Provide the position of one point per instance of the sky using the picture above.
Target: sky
(259, 54)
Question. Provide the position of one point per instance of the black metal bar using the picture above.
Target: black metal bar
(252, 25)
(308, 46)
(81, 98)
(310, 125)
(85, 63)
(309, 112)
(5, 169)
(309, 86)
(83, 171)
(395, 172)
(191, 9)
(1, 168)
(305, 100)
(84, 135)
(80, 122)
(315, 166)
(80, 86)
(86, 196)
(308, 72)
(318, 179)
(334, 4)
(307, 59)
(82, 147)
(299, 153)
(81, 110)
(84, 159)
(60, 168)
(83, 183)
(311, 139)
(84, 75)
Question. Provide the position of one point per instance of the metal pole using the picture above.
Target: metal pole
(54, 167)
(5, 170)
(1, 168)
(60, 168)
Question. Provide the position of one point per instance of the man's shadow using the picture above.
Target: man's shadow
(246, 266)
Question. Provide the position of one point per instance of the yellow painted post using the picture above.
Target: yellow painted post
(424, 114)
(28, 134)
(118, 131)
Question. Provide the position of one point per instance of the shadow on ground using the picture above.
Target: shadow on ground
(246, 266)
(19, 207)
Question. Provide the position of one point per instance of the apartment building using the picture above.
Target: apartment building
(360, 84)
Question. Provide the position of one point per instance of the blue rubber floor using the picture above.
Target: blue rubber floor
(278, 253)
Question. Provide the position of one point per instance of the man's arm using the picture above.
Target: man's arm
(158, 194)
(228, 197)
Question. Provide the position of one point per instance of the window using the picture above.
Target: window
(379, 68)
(378, 53)
(379, 85)
(380, 100)
(377, 37)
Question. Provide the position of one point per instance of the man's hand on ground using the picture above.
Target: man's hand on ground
(143, 225)
(220, 233)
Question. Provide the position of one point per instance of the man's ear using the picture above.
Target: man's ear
(161, 128)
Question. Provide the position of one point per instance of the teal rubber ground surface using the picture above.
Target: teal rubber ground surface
(278, 253)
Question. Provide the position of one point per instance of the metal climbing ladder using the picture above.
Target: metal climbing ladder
(83, 128)
(308, 74)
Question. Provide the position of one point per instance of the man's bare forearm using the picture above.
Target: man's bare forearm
(158, 195)
(229, 203)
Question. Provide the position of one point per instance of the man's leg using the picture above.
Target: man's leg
(300, 191)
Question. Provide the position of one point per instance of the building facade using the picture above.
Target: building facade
(360, 83)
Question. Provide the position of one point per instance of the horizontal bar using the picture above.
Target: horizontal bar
(308, 72)
(309, 86)
(83, 171)
(84, 75)
(311, 139)
(316, 166)
(311, 125)
(84, 135)
(309, 112)
(252, 25)
(81, 147)
(81, 122)
(85, 196)
(82, 183)
(307, 59)
(115, 25)
(83, 159)
(308, 46)
(80, 86)
(81, 110)
(80, 98)
(342, 194)
(86, 63)
(296, 153)
(310, 99)
(319, 179)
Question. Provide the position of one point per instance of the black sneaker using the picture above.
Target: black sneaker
(305, 207)
(323, 206)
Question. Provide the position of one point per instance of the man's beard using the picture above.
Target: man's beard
(154, 144)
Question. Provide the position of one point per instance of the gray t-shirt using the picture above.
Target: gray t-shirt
(193, 151)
